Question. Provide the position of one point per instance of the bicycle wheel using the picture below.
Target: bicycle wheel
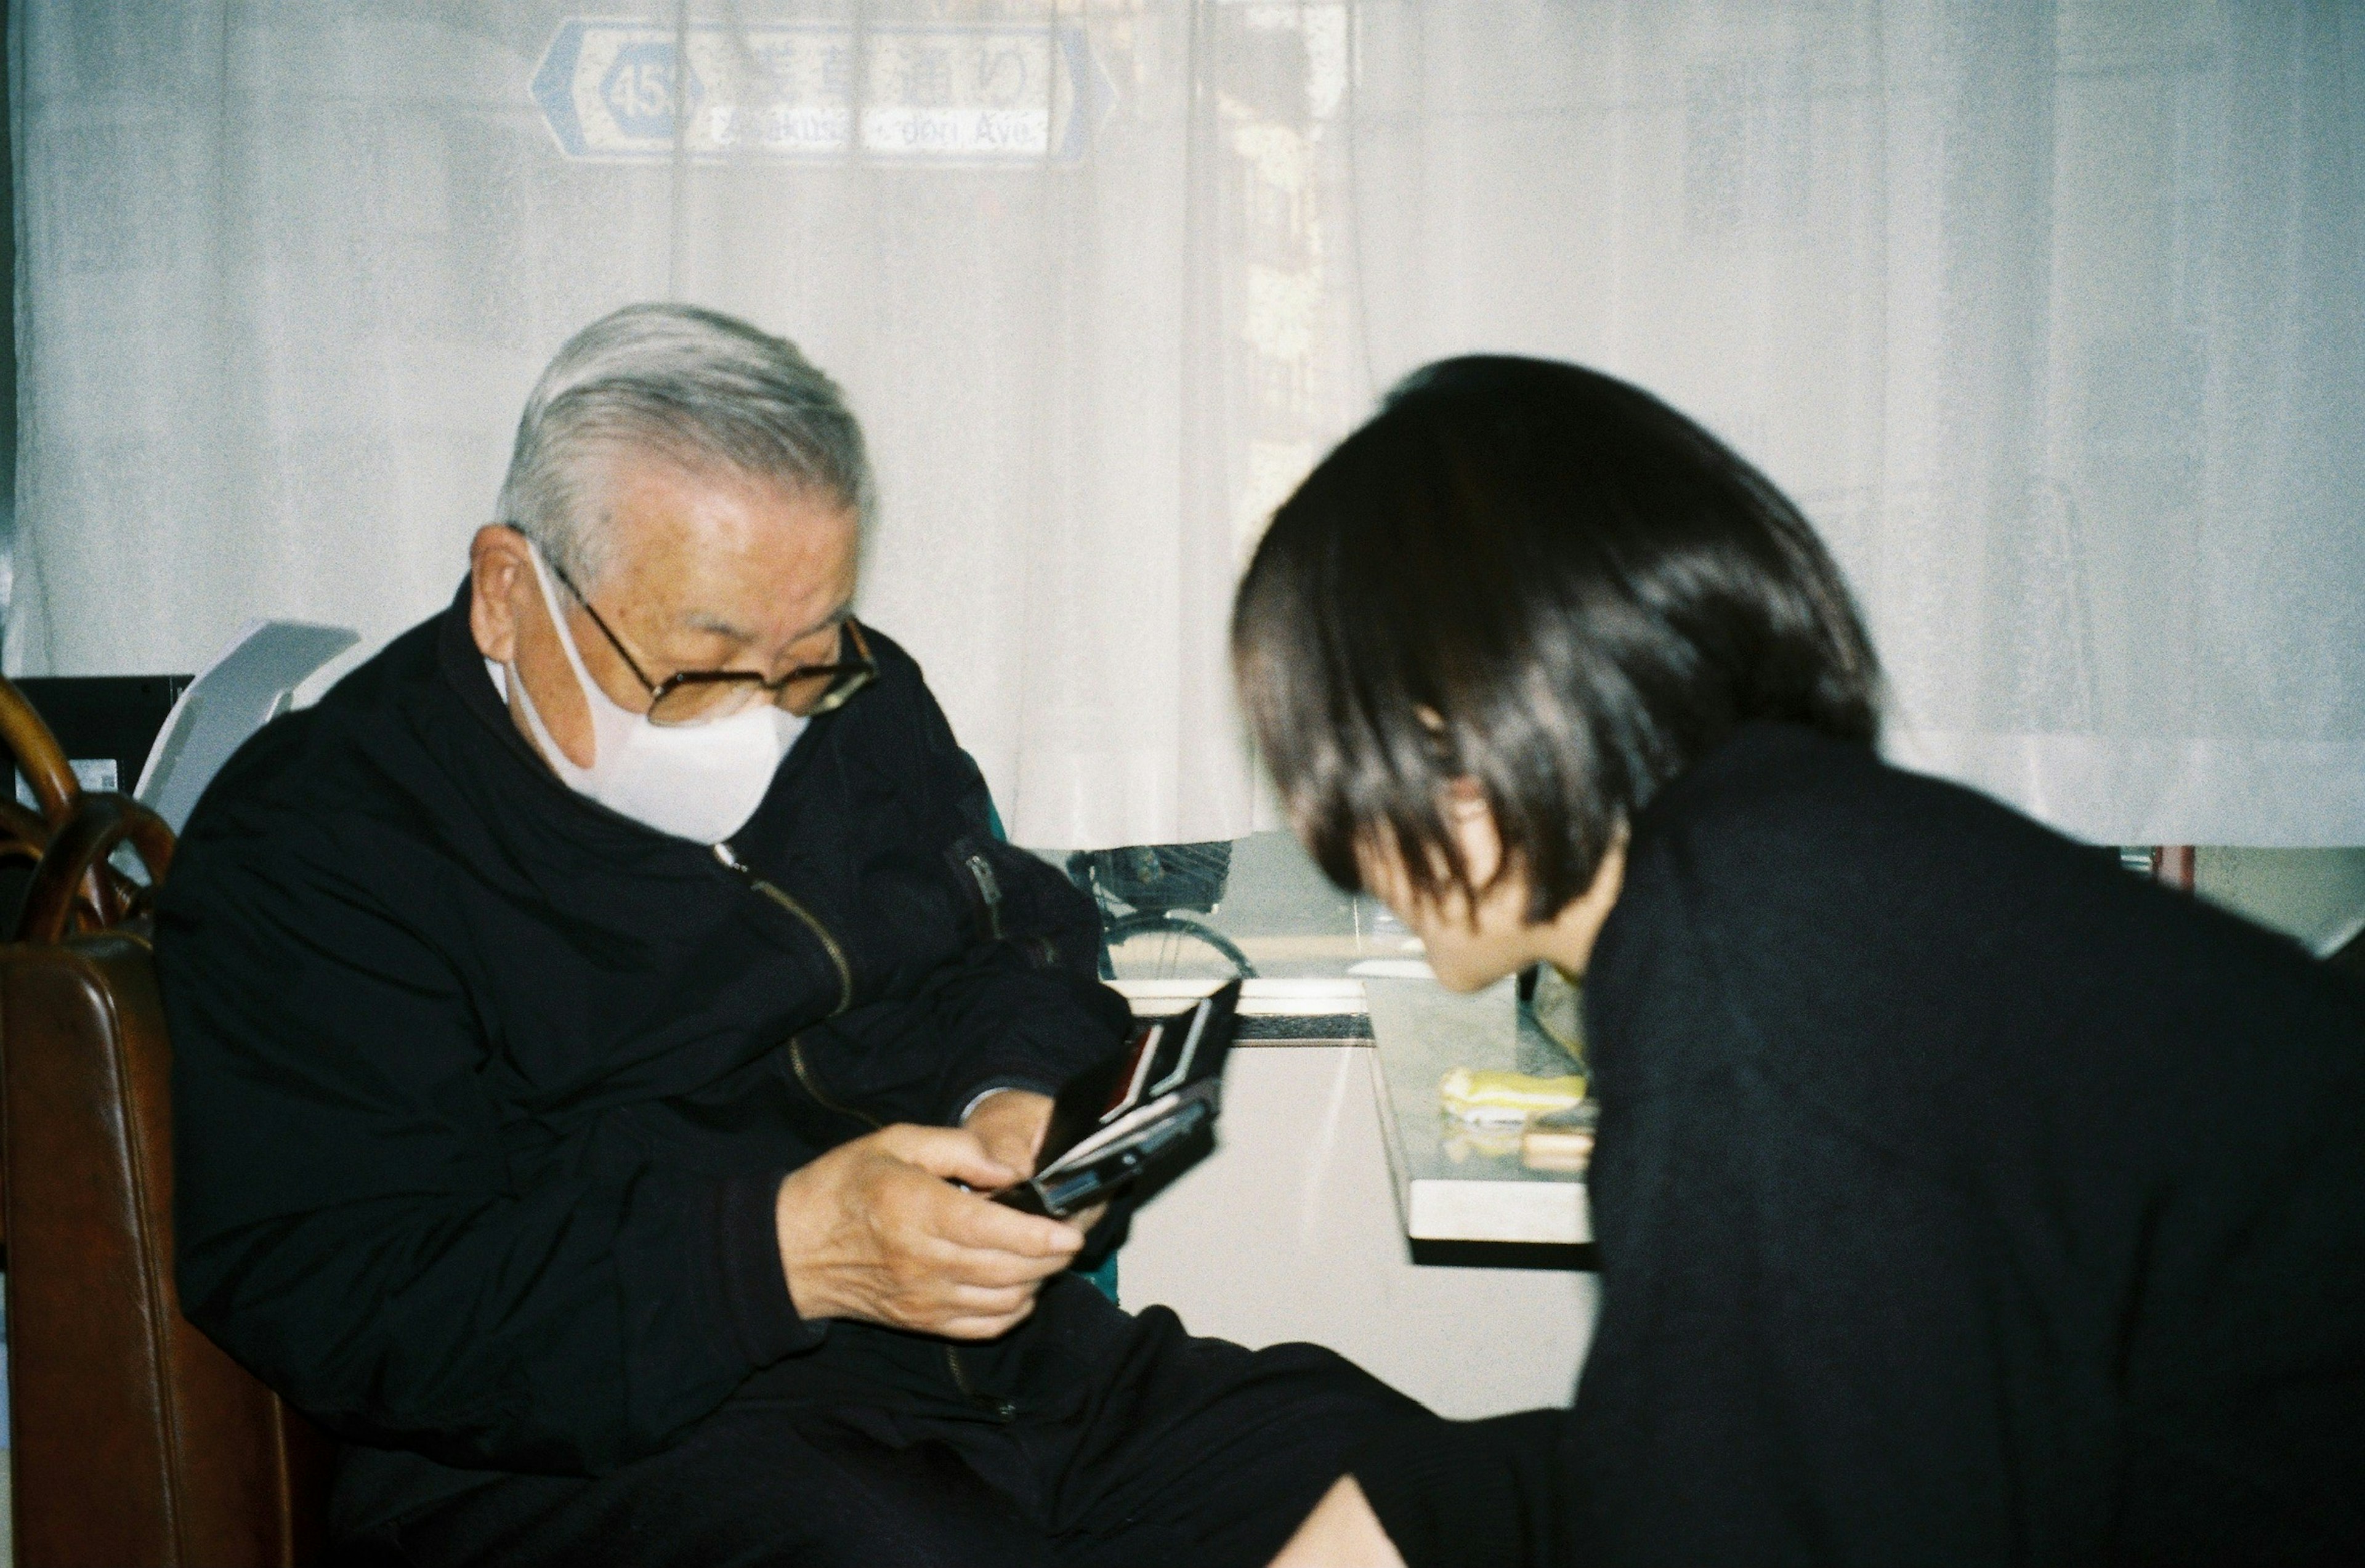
(1160, 945)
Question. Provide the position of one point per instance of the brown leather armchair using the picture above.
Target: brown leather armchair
(136, 1440)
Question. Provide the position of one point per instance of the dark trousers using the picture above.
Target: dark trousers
(1087, 1438)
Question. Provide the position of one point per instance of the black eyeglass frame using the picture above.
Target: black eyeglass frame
(846, 675)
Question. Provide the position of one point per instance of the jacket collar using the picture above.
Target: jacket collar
(461, 667)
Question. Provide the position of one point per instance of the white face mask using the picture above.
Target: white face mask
(695, 781)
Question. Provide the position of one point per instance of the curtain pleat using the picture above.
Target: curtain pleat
(2053, 317)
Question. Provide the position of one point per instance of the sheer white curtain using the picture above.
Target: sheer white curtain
(2054, 317)
(2051, 316)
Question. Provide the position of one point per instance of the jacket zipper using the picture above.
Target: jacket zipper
(1000, 1409)
(988, 888)
(812, 923)
(806, 1076)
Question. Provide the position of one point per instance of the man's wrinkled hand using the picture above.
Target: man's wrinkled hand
(1011, 1124)
(876, 1230)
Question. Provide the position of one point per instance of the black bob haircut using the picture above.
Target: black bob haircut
(1539, 578)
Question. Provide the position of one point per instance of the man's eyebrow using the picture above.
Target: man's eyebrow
(838, 616)
(698, 620)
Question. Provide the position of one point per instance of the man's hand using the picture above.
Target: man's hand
(1341, 1532)
(875, 1230)
(1011, 1124)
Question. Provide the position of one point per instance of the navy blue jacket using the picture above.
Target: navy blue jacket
(482, 1091)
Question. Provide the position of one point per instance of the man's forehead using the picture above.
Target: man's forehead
(732, 555)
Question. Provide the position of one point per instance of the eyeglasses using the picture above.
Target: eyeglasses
(696, 696)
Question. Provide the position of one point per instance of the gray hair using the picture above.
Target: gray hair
(700, 386)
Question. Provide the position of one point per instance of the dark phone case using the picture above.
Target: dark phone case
(1084, 1099)
(1074, 1114)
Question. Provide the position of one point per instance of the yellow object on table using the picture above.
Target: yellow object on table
(1488, 1097)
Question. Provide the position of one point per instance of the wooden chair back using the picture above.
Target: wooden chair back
(136, 1438)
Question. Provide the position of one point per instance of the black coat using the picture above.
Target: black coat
(1959, 1199)
(481, 1091)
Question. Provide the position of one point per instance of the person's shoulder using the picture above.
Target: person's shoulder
(343, 783)
(1785, 834)
(1870, 907)
(318, 755)
(1785, 820)
(902, 707)
(1774, 787)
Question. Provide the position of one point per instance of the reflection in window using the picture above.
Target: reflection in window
(1254, 906)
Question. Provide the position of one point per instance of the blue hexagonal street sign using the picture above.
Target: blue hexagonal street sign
(639, 88)
(984, 94)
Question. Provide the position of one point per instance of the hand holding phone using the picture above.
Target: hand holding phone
(1133, 1114)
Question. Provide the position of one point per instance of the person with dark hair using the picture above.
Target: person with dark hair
(1958, 1197)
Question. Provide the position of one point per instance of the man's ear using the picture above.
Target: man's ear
(499, 568)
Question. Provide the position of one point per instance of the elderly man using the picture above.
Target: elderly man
(591, 1020)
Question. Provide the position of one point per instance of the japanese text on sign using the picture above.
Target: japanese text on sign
(626, 91)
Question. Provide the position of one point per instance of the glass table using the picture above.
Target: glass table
(1454, 1183)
